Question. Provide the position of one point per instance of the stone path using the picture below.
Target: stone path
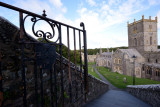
(115, 98)
(105, 80)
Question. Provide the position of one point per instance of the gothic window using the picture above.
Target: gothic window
(119, 61)
(137, 72)
(108, 63)
(148, 59)
(157, 73)
(135, 41)
(143, 67)
(120, 68)
(150, 27)
(135, 29)
(114, 60)
(150, 40)
(149, 71)
(156, 61)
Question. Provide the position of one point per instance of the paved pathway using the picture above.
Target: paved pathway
(104, 79)
(115, 98)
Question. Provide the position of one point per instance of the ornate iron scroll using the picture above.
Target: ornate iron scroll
(47, 36)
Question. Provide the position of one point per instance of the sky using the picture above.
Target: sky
(105, 20)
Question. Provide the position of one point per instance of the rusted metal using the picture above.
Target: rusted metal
(51, 87)
(75, 62)
(61, 71)
(23, 60)
(35, 77)
(55, 84)
(42, 93)
(69, 66)
(1, 86)
(21, 25)
(80, 61)
(85, 60)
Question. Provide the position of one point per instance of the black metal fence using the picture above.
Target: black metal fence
(44, 58)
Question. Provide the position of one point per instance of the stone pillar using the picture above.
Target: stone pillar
(153, 73)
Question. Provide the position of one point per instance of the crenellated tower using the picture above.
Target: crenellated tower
(142, 34)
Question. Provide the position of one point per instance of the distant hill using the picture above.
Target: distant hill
(94, 51)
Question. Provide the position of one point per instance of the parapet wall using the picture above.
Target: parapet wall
(147, 93)
(96, 88)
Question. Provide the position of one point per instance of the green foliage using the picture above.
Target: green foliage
(91, 71)
(6, 94)
(96, 50)
(65, 95)
(72, 55)
(118, 82)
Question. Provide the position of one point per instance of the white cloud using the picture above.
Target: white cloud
(98, 21)
(158, 15)
(154, 2)
(58, 4)
(91, 2)
(37, 6)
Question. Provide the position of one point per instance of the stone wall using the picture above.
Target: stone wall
(96, 88)
(91, 58)
(147, 93)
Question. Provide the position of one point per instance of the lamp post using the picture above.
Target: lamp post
(134, 57)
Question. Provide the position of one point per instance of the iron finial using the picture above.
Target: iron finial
(44, 13)
(82, 25)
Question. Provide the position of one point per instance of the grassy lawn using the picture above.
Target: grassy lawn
(117, 79)
(91, 70)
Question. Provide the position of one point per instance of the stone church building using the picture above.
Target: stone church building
(104, 59)
(142, 56)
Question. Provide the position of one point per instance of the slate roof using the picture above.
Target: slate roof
(131, 52)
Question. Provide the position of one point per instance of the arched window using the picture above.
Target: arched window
(135, 41)
(156, 61)
(114, 60)
(143, 67)
(150, 40)
(108, 63)
(148, 59)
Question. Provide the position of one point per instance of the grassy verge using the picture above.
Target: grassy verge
(117, 79)
(91, 70)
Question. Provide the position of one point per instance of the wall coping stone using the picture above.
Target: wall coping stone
(148, 87)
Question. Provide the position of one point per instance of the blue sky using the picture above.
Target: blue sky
(105, 20)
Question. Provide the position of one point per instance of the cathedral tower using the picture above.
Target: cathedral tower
(142, 34)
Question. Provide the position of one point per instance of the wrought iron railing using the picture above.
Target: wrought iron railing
(45, 58)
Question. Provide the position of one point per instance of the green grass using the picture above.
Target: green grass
(91, 70)
(118, 82)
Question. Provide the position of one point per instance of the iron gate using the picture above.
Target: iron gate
(45, 62)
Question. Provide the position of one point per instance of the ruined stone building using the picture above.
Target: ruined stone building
(104, 59)
(143, 44)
